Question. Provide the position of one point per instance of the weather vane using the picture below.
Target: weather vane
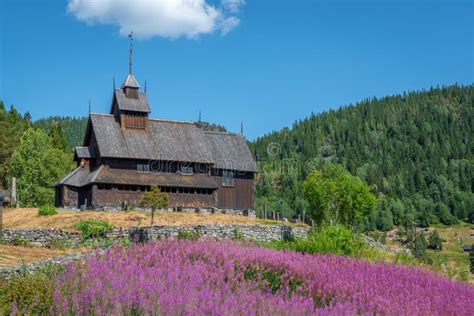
(130, 36)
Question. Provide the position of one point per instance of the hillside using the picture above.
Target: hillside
(415, 150)
(73, 128)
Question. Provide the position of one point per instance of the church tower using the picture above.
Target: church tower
(130, 106)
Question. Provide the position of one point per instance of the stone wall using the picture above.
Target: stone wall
(44, 237)
(247, 232)
(30, 268)
(39, 237)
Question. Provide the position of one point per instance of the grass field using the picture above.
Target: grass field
(452, 260)
(28, 218)
(17, 255)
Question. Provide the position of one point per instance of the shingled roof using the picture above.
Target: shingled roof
(78, 177)
(121, 176)
(84, 152)
(130, 82)
(82, 176)
(171, 141)
(131, 104)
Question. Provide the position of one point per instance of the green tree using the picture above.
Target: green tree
(336, 197)
(36, 165)
(58, 140)
(154, 199)
(419, 247)
(434, 241)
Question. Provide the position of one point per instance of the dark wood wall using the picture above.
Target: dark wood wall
(238, 196)
(114, 197)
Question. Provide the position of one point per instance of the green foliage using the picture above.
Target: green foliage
(238, 235)
(471, 259)
(326, 240)
(18, 241)
(93, 228)
(37, 165)
(414, 148)
(58, 140)
(434, 241)
(72, 128)
(419, 246)
(12, 126)
(154, 199)
(336, 197)
(185, 235)
(32, 291)
(47, 210)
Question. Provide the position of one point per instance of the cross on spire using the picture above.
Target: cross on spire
(130, 36)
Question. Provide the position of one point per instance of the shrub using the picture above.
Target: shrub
(434, 241)
(326, 240)
(18, 241)
(185, 235)
(93, 228)
(47, 210)
(31, 291)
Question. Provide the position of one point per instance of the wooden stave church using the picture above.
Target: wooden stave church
(125, 152)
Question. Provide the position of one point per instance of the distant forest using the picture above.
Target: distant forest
(414, 150)
(73, 128)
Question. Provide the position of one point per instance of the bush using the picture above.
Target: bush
(434, 241)
(32, 292)
(326, 240)
(93, 228)
(47, 210)
(185, 235)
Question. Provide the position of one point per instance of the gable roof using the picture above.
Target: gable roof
(131, 104)
(171, 141)
(78, 177)
(230, 151)
(84, 152)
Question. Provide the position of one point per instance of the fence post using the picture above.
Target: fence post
(1, 216)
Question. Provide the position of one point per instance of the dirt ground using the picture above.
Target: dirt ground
(28, 218)
(16, 255)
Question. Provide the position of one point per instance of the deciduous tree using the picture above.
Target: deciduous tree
(154, 199)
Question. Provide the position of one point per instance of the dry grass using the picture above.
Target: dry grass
(17, 255)
(28, 218)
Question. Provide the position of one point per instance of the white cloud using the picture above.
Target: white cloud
(165, 18)
(233, 6)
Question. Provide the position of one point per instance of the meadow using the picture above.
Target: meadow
(181, 277)
(65, 219)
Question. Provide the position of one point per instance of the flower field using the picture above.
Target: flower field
(225, 278)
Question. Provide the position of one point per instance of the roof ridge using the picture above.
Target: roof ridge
(223, 133)
(172, 121)
(101, 114)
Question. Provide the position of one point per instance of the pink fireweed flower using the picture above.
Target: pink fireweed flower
(224, 278)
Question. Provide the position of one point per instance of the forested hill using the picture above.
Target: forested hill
(73, 128)
(415, 150)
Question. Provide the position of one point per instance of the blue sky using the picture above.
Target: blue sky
(278, 61)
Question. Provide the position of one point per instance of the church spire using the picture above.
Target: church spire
(130, 36)
(130, 86)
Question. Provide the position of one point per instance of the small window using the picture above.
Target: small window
(186, 170)
(227, 178)
(143, 167)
